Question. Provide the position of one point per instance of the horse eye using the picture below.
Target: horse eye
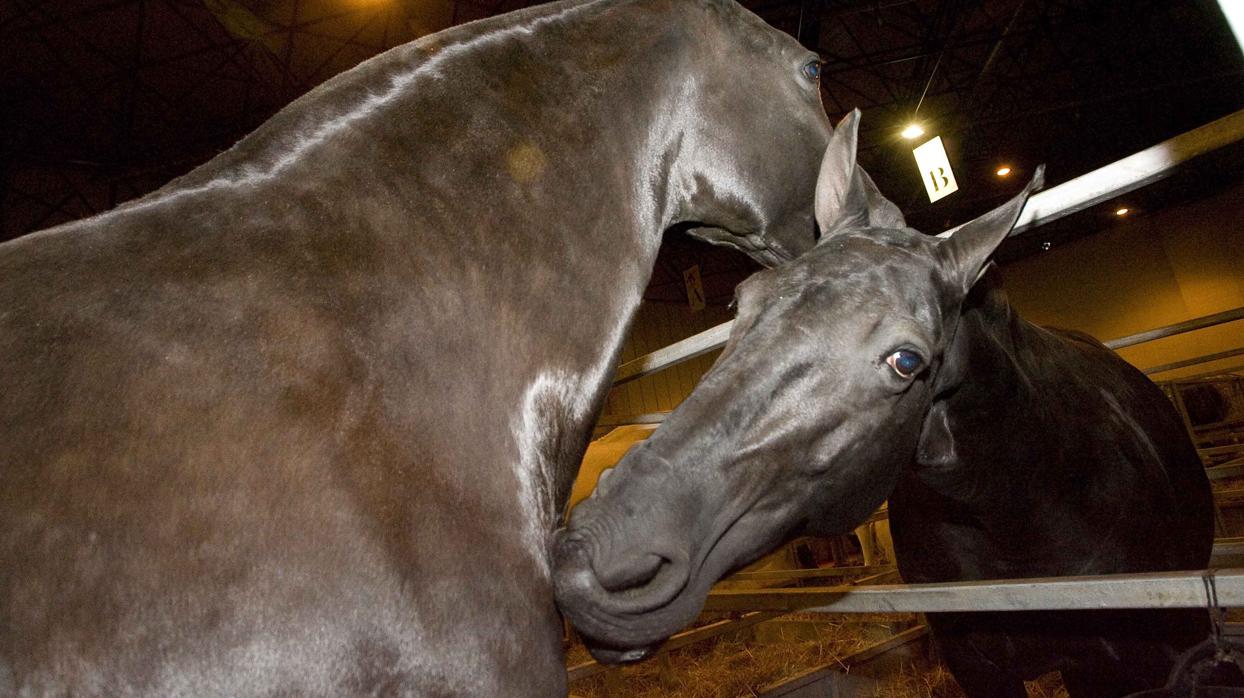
(812, 70)
(905, 363)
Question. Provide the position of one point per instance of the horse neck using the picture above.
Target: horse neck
(584, 185)
(998, 380)
(482, 112)
(423, 98)
(511, 177)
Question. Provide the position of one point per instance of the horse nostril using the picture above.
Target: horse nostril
(630, 573)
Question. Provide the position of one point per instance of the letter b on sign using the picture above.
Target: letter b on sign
(939, 179)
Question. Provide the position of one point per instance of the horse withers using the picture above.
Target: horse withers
(886, 363)
(302, 421)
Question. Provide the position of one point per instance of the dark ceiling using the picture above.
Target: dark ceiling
(105, 100)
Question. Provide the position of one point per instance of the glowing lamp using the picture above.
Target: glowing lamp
(1003, 171)
(912, 131)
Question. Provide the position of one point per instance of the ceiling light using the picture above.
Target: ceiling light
(1121, 211)
(1003, 171)
(912, 131)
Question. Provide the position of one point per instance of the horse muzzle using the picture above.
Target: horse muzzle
(623, 603)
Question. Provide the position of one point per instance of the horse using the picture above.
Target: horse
(886, 363)
(302, 421)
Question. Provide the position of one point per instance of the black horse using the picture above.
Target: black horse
(883, 363)
(302, 421)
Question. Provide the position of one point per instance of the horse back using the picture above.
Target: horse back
(1067, 460)
(1070, 462)
(207, 440)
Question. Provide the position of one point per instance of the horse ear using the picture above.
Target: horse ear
(882, 213)
(841, 201)
(966, 252)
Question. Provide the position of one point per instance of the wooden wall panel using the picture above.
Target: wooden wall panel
(659, 325)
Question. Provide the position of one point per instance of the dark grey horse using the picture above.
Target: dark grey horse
(301, 422)
(883, 363)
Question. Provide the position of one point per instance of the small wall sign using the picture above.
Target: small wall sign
(695, 290)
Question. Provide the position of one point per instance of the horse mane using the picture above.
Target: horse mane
(344, 98)
(755, 30)
(1075, 336)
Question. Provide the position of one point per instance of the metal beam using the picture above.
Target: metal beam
(1218, 372)
(646, 418)
(1126, 175)
(813, 681)
(1221, 450)
(1194, 361)
(1129, 591)
(1178, 328)
(1225, 471)
(676, 353)
(818, 573)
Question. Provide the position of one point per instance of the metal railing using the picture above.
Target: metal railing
(1115, 591)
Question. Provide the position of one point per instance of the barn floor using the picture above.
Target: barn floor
(757, 659)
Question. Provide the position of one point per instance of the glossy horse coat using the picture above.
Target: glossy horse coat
(300, 423)
(884, 363)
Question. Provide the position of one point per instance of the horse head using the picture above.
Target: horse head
(805, 422)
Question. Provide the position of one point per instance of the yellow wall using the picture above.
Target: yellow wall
(1153, 270)
(659, 325)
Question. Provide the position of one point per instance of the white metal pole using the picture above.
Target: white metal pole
(1129, 591)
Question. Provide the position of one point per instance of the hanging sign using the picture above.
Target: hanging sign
(695, 290)
(934, 166)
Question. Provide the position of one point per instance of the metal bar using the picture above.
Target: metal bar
(1194, 361)
(1206, 432)
(766, 575)
(676, 353)
(1178, 328)
(1215, 376)
(592, 667)
(1225, 471)
(814, 676)
(1129, 174)
(1233, 464)
(1224, 547)
(889, 575)
(1220, 450)
(645, 418)
(1151, 590)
